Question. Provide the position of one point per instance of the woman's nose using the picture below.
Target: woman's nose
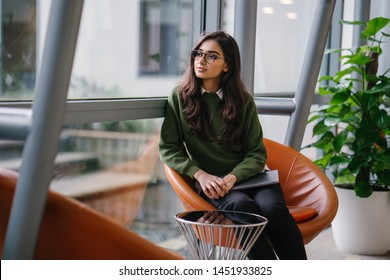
(202, 59)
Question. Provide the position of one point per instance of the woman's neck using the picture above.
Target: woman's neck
(210, 86)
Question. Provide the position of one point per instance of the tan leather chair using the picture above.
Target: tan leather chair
(309, 194)
(71, 230)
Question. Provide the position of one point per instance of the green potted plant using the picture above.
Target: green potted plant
(353, 129)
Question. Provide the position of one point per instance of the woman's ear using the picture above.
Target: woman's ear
(225, 68)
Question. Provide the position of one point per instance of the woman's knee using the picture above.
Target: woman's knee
(238, 201)
(272, 204)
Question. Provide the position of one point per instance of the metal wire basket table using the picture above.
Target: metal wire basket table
(219, 234)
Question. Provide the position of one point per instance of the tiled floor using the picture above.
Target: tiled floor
(155, 222)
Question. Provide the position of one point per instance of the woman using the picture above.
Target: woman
(211, 132)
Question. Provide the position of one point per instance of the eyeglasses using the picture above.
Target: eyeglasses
(208, 57)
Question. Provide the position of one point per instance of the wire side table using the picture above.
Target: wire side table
(219, 234)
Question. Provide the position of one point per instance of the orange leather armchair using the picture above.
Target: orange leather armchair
(309, 194)
(73, 231)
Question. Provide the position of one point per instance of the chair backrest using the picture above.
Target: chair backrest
(309, 194)
(72, 230)
(304, 185)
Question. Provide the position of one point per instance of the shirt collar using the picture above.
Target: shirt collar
(219, 92)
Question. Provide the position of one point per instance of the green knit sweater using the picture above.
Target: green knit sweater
(243, 160)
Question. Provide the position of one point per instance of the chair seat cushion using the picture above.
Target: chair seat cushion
(301, 214)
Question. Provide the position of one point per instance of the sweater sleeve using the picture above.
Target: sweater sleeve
(171, 145)
(255, 154)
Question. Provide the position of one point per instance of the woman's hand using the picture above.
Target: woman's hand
(213, 186)
(230, 180)
(211, 217)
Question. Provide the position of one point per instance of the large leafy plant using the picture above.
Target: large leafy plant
(353, 129)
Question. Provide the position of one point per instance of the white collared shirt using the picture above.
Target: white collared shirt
(219, 93)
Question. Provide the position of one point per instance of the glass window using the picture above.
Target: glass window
(125, 48)
(283, 29)
(106, 165)
(165, 37)
(18, 49)
(282, 32)
(114, 168)
(131, 48)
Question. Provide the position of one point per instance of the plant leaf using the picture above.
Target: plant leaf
(339, 140)
(339, 160)
(320, 128)
(383, 177)
(374, 25)
(345, 179)
(382, 87)
(359, 59)
(355, 164)
(363, 189)
(356, 22)
(323, 162)
(325, 78)
(329, 51)
(340, 97)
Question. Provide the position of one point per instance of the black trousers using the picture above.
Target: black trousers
(281, 238)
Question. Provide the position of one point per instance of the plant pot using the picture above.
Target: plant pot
(362, 225)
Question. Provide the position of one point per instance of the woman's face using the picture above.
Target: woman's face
(210, 73)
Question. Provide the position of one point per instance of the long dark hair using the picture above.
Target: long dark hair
(234, 92)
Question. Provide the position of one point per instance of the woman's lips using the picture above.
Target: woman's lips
(200, 69)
